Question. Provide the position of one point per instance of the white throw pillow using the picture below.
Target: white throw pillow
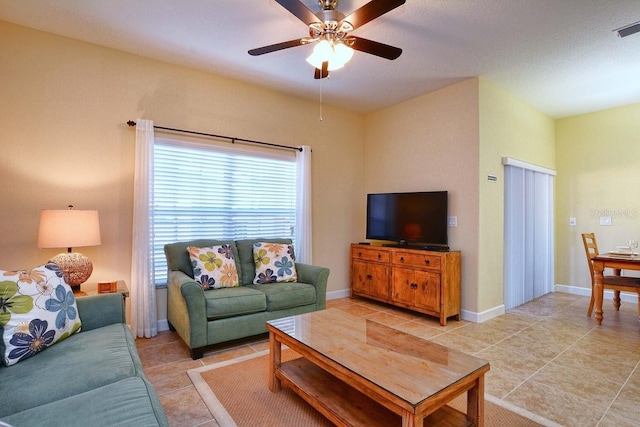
(275, 262)
(214, 267)
(37, 310)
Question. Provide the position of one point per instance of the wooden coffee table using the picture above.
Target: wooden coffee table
(358, 372)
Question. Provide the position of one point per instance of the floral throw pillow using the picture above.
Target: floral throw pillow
(214, 267)
(275, 262)
(37, 310)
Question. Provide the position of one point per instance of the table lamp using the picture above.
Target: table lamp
(67, 229)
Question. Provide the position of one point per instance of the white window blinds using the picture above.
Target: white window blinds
(528, 232)
(204, 191)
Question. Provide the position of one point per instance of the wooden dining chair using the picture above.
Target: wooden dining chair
(616, 282)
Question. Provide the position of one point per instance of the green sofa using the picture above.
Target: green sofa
(203, 318)
(92, 378)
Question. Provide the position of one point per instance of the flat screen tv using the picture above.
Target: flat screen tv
(413, 219)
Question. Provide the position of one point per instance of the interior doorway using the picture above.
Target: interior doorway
(528, 232)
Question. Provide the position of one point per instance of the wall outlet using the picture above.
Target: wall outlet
(605, 220)
(452, 221)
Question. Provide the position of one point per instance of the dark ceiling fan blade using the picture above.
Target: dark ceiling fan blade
(371, 11)
(275, 47)
(375, 48)
(321, 74)
(300, 10)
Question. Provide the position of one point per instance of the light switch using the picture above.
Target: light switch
(452, 221)
(605, 220)
(572, 221)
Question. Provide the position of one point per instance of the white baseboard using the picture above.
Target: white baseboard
(575, 290)
(579, 290)
(483, 316)
(163, 325)
(343, 293)
(472, 316)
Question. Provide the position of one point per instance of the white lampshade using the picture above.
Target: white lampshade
(67, 229)
(336, 55)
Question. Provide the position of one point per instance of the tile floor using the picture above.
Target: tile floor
(546, 356)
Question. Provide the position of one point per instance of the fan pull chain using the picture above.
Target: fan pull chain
(321, 118)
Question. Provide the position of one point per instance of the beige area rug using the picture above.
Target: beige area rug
(237, 394)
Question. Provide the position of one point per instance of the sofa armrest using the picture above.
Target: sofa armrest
(101, 310)
(186, 309)
(316, 276)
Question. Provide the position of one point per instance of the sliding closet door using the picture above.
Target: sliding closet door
(528, 234)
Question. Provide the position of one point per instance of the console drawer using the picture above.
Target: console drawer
(416, 259)
(370, 254)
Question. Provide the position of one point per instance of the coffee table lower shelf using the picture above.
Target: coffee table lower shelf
(343, 405)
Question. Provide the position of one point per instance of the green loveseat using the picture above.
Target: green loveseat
(92, 378)
(206, 317)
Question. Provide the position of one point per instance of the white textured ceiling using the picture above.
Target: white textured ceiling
(560, 56)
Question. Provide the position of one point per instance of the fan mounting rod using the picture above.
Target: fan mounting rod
(328, 4)
(331, 25)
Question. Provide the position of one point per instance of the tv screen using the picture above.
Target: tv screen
(418, 218)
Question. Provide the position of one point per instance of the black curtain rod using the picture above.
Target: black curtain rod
(232, 139)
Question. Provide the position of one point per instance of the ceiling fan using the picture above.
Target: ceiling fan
(330, 30)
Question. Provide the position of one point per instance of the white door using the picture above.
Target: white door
(528, 233)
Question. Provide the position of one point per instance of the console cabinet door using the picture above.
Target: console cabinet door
(379, 280)
(403, 286)
(360, 283)
(417, 288)
(371, 279)
(428, 292)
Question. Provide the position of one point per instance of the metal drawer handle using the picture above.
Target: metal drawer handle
(426, 261)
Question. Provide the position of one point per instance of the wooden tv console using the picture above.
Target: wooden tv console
(419, 280)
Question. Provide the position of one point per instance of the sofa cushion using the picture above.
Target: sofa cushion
(37, 310)
(178, 258)
(82, 362)
(281, 296)
(214, 267)
(128, 402)
(275, 263)
(229, 302)
(246, 261)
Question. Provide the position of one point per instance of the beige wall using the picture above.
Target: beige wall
(452, 139)
(598, 175)
(64, 140)
(508, 128)
(431, 143)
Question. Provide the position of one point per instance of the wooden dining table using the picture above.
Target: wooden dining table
(616, 262)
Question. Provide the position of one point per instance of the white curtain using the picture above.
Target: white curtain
(144, 316)
(303, 242)
(528, 234)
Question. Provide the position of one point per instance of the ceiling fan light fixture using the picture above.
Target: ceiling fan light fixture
(343, 53)
(330, 29)
(336, 54)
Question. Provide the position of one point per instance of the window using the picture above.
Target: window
(219, 192)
